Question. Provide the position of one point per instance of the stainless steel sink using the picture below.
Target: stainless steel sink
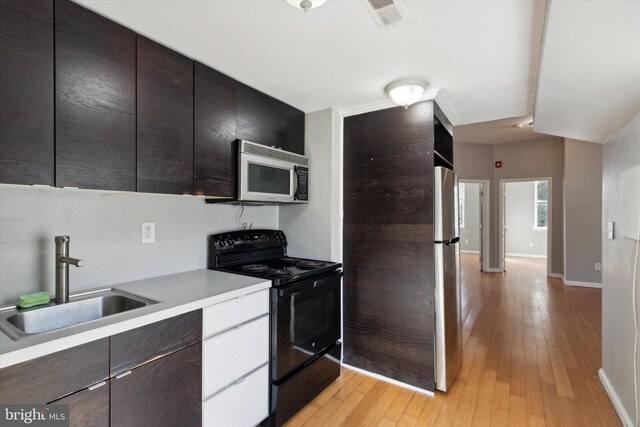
(81, 308)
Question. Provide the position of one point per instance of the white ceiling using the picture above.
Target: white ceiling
(498, 131)
(589, 81)
(482, 54)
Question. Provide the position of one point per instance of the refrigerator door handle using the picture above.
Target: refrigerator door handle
(449, 242)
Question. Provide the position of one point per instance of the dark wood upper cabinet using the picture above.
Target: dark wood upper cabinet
(26, 92)
(165, 392)
(165, 119)
(215, 144)
(265, 120)
(290, 128)
(95, 100)
(142, 345)
(50, 377)
(88, 407)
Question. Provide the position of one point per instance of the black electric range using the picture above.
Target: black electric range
(305, 314)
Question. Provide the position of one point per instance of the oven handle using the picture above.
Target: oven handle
(310, 284)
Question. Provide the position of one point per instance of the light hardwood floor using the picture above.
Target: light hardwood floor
(531, 356)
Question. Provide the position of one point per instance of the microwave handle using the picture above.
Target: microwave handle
(295, 183)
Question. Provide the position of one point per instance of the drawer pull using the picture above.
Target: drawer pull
(124, 374)
(95, 386)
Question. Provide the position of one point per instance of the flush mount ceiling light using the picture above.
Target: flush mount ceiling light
(406, 91)
(306, 5)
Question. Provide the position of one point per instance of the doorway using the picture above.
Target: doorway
(525, 218)
(473, 212)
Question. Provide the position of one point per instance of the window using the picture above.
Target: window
(541, 204)
(461, 203)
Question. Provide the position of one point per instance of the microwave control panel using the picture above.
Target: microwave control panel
(302, 189)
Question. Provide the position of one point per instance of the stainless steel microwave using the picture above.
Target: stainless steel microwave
(271, 175)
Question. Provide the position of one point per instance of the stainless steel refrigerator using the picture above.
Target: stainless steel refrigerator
(447, 278)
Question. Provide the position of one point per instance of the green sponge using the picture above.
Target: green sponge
(31, 300)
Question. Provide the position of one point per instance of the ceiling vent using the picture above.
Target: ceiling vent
(387, 13)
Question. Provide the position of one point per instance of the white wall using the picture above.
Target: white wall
(314, 229)
(521, 238)
(470, 234)
(621, 152)
(583, 211)
(105, 230)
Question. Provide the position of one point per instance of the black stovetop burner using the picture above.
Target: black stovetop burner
(263, 253)
(283, 270)
(255, 268)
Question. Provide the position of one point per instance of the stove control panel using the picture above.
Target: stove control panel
(248, 239)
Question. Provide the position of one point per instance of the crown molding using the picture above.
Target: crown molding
(434, 94)
(382, 105)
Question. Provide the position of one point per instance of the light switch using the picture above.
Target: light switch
(610, 227)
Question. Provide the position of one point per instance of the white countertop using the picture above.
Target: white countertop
(178, 293)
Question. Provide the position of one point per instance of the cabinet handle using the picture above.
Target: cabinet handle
(95, 386)
(240, 381)
(124, 374)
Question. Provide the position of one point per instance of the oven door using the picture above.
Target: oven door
(264, 179)
(305, 320)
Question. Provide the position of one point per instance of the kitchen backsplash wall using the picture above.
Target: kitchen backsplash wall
(105, 230)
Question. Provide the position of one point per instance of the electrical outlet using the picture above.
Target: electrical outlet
(597, 266)
(466, 241)
(530, 244)
(610, 230)
(148, 232)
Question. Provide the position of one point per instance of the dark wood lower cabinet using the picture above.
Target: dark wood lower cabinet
(165, 392)
(141, 345)
(46, 378)
(88, 408)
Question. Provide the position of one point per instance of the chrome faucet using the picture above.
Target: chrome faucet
(62, 268)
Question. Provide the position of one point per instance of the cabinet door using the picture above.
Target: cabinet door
(290, 129)
(215, 144)
(141, 345)
(88, 407)
(95, 100)
(265, 120)
(165, 120)
(165, 392)
(46, 378)
(26, 92)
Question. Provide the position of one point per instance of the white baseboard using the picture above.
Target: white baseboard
(615, 400)
(583, 284)
(492, 270)
(464, 251)
(390, 380)
(528, 256)
(556, 275)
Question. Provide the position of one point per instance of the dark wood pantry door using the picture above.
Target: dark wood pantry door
(388, 253)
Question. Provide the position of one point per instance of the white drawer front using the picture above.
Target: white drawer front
(226, 314)
(231, 355)
(244, 404)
